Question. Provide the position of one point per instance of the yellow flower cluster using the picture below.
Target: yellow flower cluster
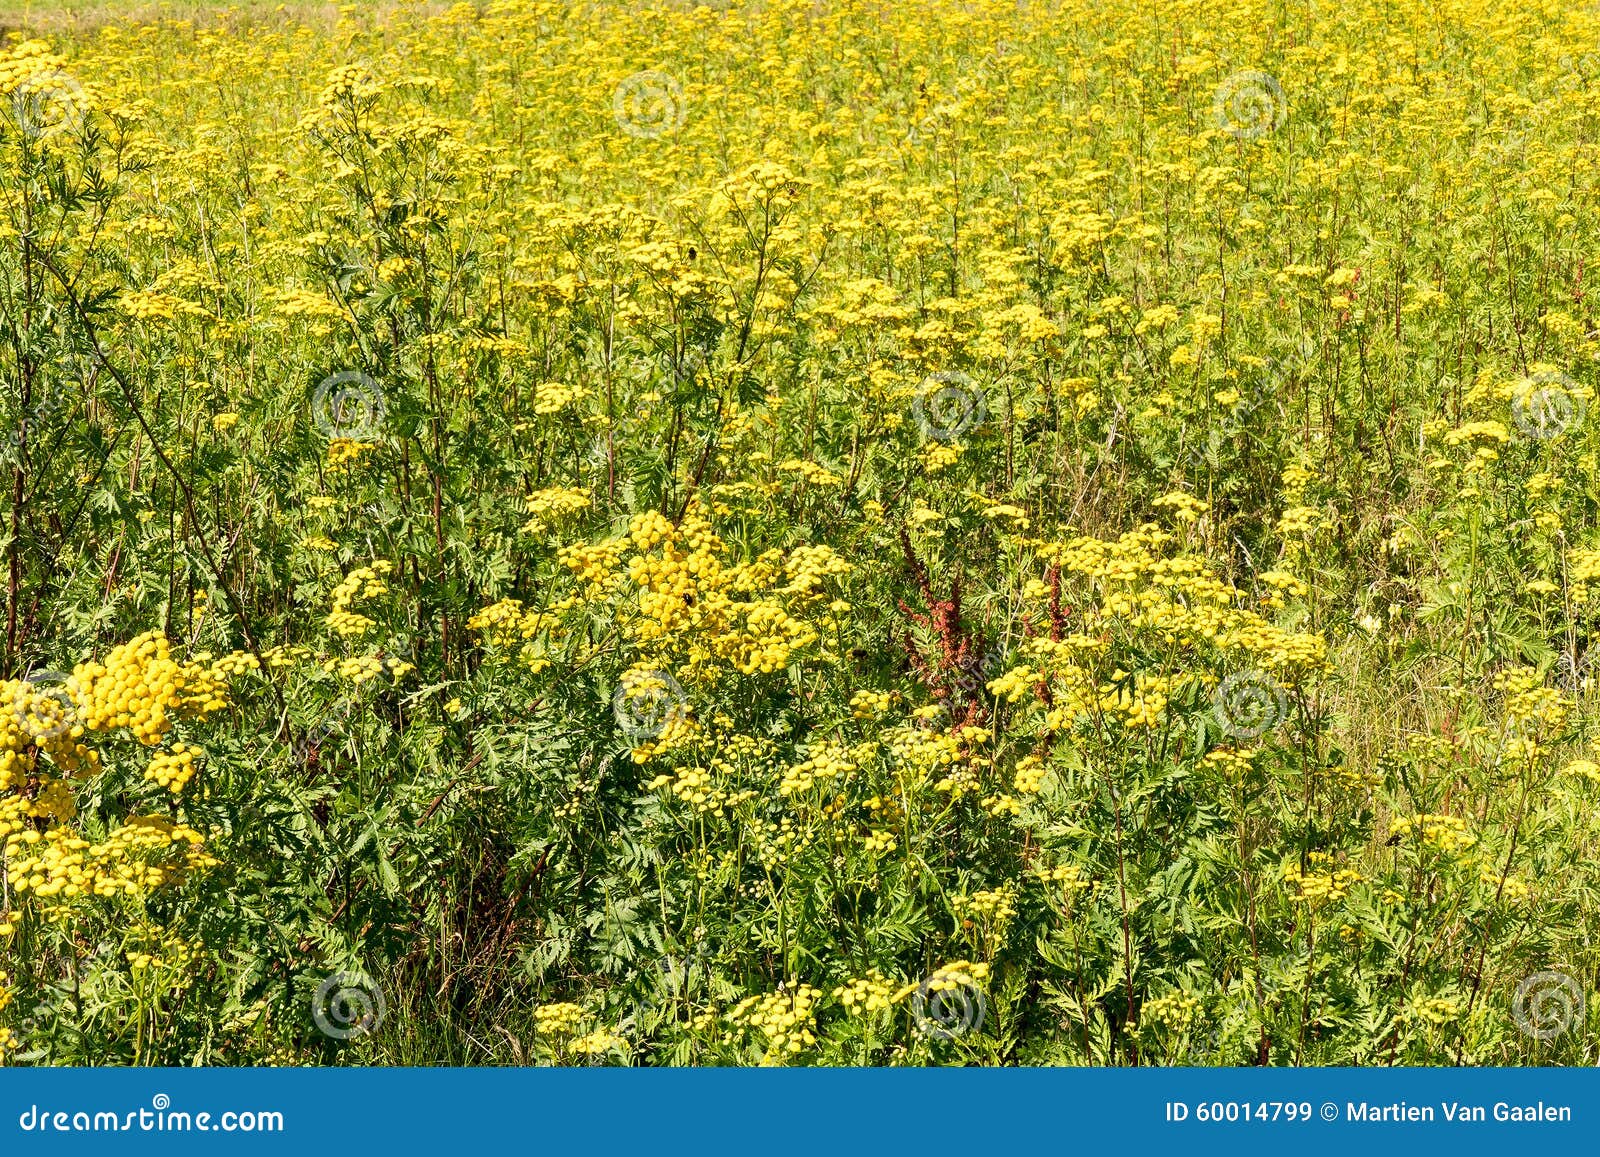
(50, 800)
(1029, 776)
(869, 994)
(505, 623)
(345, 454)
(560, 1019)
(779, 840)
(1434, 1010)
(1316, 888)
(144, 853)
(829, 761)
(879, 843)
(787, 1021)
(1130, 588)
(870, 704)
(689, 597)
(34, 77)
(811, 472)
(1584, 569)
(1447, 834)
(1069, 878)
(1531, 708)
(952, 977)
(1512, 890)
(996, 906)
(359, 669)
(1184, 507)
(553, 397)
(1234, 763)
(40, 719)
(174, 768)
(550, 506)
(1586, 768)
(8, 1039)
(364, 582)
(693, 785)
(141, 687)
(165, 951)
(1174, 1012)
(595, 1044)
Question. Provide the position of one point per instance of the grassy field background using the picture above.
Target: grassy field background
(793, 533)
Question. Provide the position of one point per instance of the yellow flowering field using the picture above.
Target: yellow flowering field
(800, 532)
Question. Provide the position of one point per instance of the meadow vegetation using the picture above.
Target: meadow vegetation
(799, 533)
